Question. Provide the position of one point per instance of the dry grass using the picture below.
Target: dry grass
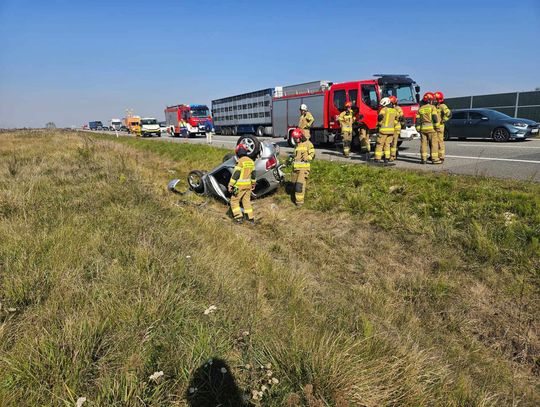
(105, 276)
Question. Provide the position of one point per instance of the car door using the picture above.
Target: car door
(457, 124)
(478, 125)
(369, 105)
(338, 98)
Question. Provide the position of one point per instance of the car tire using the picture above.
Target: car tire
(253, 144)
(500, 134)
(195, 181)
(227, 157)
(260, 131)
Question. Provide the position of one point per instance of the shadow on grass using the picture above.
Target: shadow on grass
(212, 385)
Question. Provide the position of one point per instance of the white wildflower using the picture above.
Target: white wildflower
(210, 310)
(192, 390)
(264, 388)
(80, 401)
(155, 376)
(509, 218)
(188, 257)
(12, 309)
(223, 370)
(274, 380)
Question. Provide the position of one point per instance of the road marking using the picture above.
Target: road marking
(486, 145)
(479, 158)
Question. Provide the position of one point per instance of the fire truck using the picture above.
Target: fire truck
(188, 120)
(325, 100)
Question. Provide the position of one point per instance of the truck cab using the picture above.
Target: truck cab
(191, 119)
(115, 124)
(95, 125)
(150, 127)
(365, 97)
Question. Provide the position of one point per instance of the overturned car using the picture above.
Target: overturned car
(268, 171)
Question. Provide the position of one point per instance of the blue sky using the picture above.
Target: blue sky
(75, 61)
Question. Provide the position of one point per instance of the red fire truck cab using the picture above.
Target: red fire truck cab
(327, 101)
(188, 120)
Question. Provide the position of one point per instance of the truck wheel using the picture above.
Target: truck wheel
(260, 131)
(252, 143)
(195, 181)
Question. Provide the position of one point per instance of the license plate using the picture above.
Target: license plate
(534, 131)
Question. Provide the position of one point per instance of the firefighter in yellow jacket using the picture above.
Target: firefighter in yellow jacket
(397, 128)
(306, 121)
(304, 153)
(426, 119)
(443, 115)
(346, 120)
(386, 126)
(241, 184)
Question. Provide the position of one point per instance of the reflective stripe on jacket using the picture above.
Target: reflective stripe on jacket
(388, 120)
(346, 120)
(398, 117)
(303, 154)
(424, 118)
(443, 115)
(243, 174)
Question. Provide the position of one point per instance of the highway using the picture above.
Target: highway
(514, 160)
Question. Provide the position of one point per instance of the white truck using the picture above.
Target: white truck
(115, 124)
(150, 127)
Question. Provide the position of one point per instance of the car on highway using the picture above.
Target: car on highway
(489, 124)
(268, 171)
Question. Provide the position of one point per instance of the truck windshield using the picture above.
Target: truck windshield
(200, 113)
(149, 121)
(403, 92)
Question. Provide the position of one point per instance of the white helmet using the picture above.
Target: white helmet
(303, 107)
(385, 101)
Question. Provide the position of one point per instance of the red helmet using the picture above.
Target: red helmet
(297, 134)
(348, 104)
(428, 97)
(241, 149)
(439, 97)
(393, 99)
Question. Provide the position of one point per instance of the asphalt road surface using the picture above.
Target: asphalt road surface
(516, 160)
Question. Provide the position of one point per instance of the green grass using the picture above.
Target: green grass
(390, 288)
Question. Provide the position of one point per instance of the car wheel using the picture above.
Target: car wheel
(260, 131)
(446, 136)
(227, 157)
(501, 134)
(252, 143)
(195, 181)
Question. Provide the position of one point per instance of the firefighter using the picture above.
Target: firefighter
(346, 120)
(303, 154)
(444, 114)
(306, 121)
(386, 124)
(241, 184)
(426, 119)
(397, 129)
(365, 142)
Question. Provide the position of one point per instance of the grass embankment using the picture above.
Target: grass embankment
(389, 288)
